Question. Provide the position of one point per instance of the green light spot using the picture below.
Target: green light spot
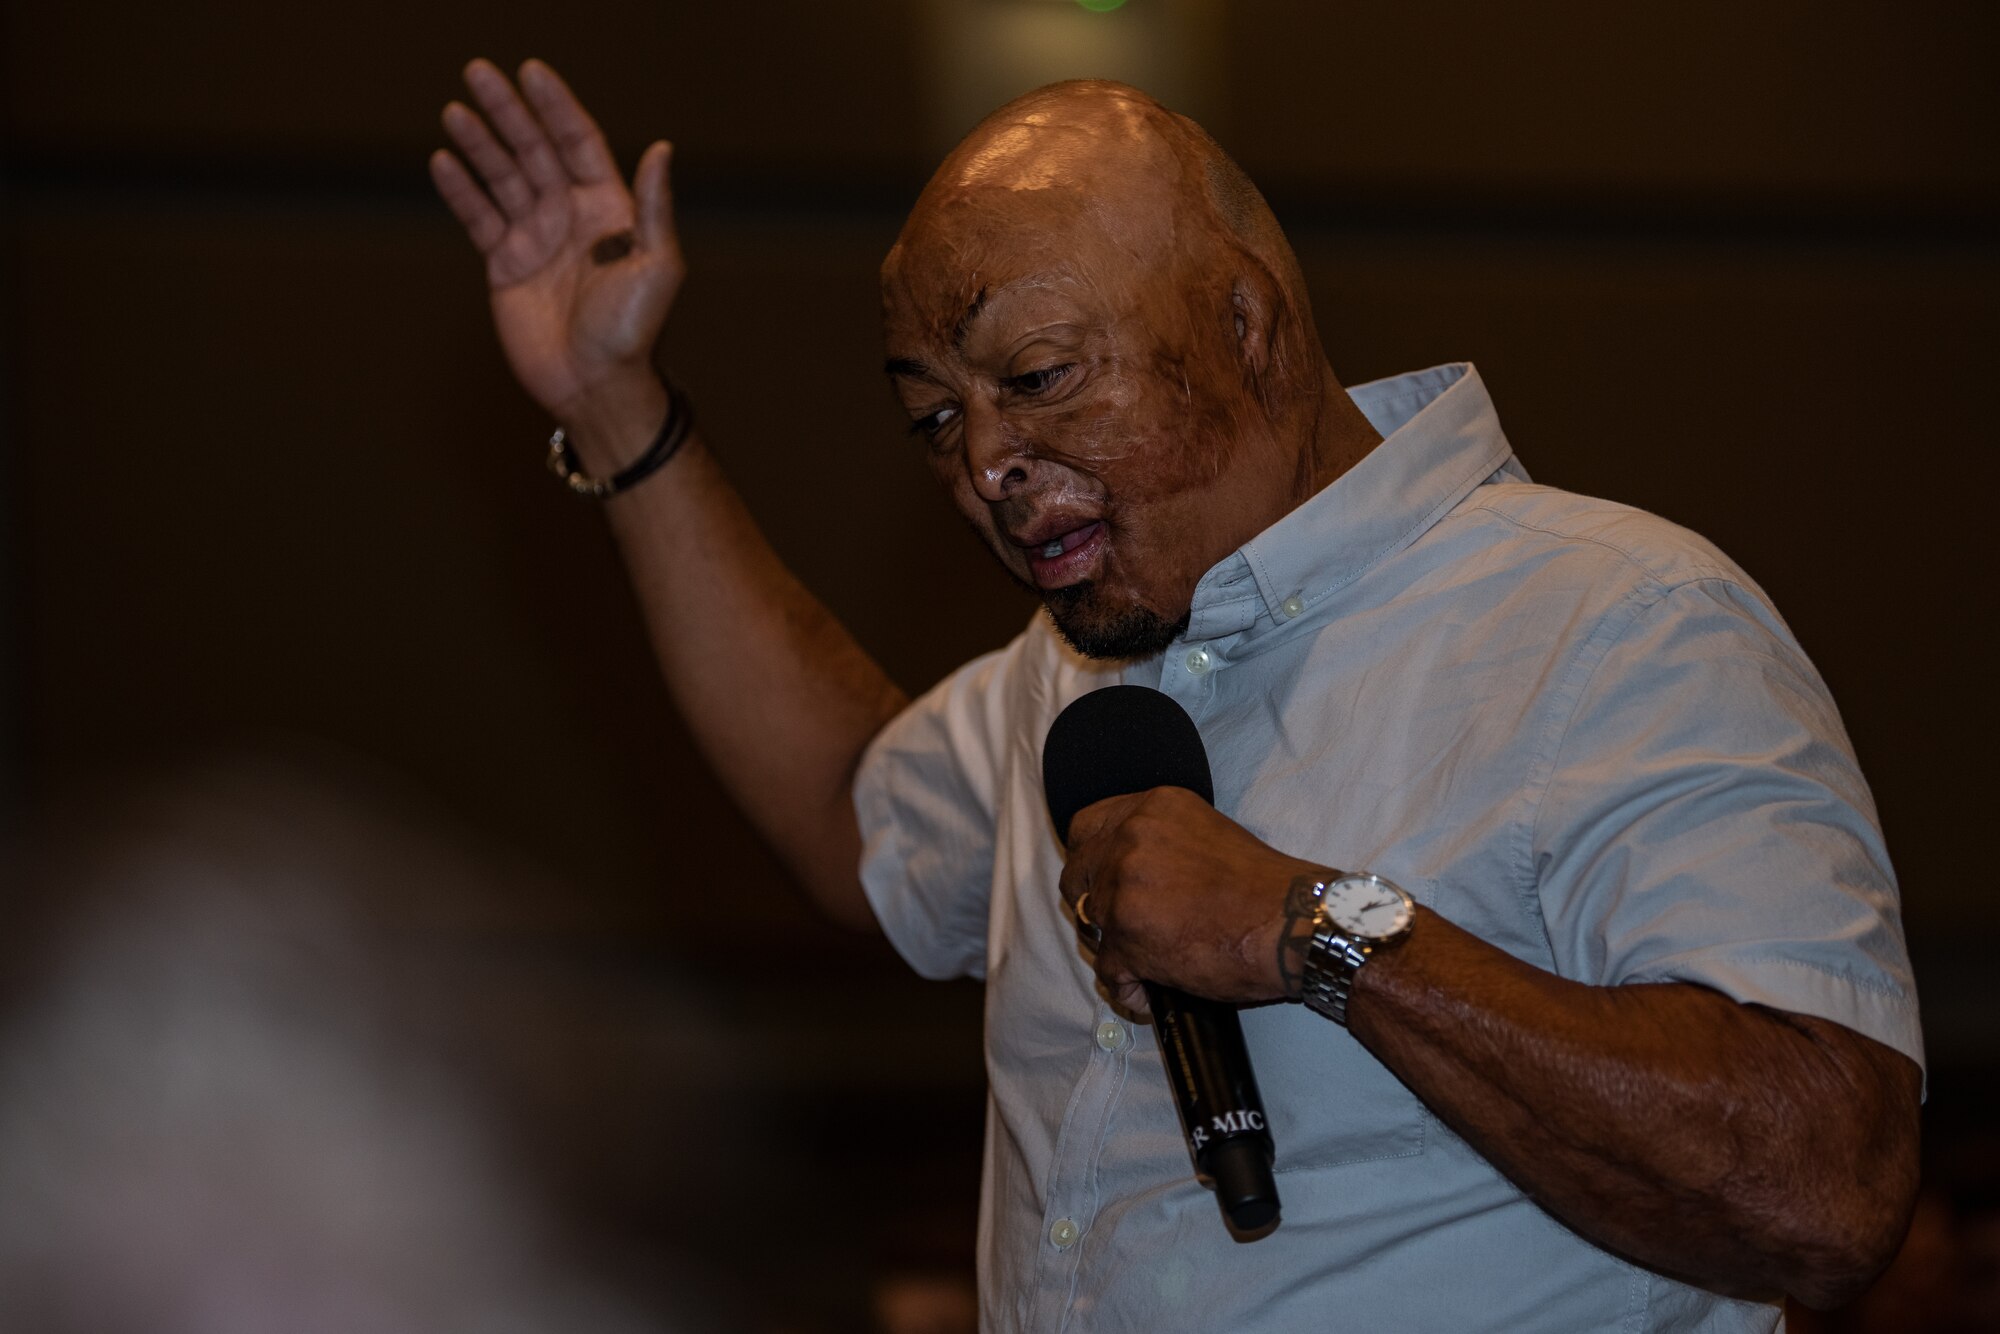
(1100, 6)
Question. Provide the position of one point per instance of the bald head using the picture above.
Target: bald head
(1104, 157)
(1061, 134)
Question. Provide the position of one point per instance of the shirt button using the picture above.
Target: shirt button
(1111, 1035)
(1199, 660)
(1064, 1234)
(1292, 606)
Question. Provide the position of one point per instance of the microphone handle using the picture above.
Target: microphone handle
(1222, 1113)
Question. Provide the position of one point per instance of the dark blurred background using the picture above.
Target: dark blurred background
(289, 599)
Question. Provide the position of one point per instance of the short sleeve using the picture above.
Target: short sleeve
(1706, 821)
(924, 795)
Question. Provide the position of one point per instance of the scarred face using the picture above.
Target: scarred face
(1072, 360)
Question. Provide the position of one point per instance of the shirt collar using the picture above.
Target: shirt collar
(1441, 438)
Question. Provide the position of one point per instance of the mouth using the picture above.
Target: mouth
(1066, 556)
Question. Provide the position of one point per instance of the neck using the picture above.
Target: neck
(1341, 436)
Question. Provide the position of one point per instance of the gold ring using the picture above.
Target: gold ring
(1092, 932)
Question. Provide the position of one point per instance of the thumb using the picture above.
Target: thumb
(1132, 996)
(655, 197)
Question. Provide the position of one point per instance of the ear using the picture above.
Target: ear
(1254, 305)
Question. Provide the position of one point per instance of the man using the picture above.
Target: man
(1642, 1054)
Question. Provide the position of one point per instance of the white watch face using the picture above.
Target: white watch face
(1368, 907)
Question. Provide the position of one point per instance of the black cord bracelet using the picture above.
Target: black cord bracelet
(673, 434)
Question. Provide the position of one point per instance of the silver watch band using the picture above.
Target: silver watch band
(1331, 961)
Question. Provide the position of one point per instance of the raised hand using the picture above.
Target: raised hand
(582, 270)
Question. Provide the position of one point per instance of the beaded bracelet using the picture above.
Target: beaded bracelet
(673, 434)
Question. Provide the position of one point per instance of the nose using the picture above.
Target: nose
(996, 458)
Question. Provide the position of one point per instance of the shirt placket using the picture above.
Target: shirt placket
(1072, 1196)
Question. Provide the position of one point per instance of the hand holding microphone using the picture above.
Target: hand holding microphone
(1162, 874)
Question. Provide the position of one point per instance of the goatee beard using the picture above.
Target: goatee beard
(1120, 632)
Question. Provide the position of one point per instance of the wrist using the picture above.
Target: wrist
(1295, 929)
(610, 424)
(1359, 918)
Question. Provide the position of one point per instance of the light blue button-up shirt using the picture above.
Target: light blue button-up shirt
(1572, 728)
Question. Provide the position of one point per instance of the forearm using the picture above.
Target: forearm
(778, 695)
(1739, 1148)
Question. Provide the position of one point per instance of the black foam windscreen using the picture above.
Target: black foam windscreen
(1117, 740)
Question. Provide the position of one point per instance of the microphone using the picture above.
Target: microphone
(1125, 739)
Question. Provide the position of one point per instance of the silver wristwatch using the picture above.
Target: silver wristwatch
(1357, 915)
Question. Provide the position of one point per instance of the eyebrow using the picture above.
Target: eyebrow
(964, 325)
(918, 370)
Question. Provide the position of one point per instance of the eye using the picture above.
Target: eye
(931, 425)
(1039, 382)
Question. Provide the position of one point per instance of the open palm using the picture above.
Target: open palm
(582, 270)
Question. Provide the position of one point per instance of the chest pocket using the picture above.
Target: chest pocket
(1328, 1099)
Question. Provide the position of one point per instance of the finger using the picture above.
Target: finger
(468, 203)
(495, 165)
(517, 126)
(654, 191)
(1093, 820)
(1074, 882)
(578, 141)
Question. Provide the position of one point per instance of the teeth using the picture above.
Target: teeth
(1052, 549)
